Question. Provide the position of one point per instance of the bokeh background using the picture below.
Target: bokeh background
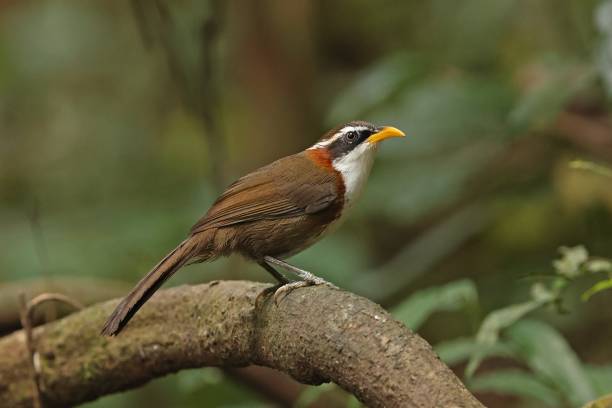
(121, 120)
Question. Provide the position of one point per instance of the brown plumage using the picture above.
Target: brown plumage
(271, 213)
(258, 215)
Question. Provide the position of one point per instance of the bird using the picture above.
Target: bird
(273, 213)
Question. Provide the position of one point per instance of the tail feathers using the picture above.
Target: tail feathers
(179, 256)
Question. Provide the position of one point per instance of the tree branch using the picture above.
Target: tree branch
(316, 334)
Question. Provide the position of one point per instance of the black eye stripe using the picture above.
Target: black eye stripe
(348, 142)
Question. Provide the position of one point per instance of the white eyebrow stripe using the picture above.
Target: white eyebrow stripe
(318, 145)
(352, 128)
(327, 142)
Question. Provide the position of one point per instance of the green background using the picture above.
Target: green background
(121, 121)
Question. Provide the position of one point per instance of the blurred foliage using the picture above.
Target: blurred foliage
(186, 390)
(116, 119)
(574, 263)
(460, 295)
(557, 377)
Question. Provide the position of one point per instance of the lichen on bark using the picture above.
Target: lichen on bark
(315, 334)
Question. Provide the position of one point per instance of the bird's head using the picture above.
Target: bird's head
(354, 142)
(350, 150)
(355, 139)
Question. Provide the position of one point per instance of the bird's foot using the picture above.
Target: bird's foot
(307, 279)
(267, 291)
(281, 292)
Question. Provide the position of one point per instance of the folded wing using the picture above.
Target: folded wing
(290, 187)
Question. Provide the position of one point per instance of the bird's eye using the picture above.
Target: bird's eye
(350, 136)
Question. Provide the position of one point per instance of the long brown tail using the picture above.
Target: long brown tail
(122, 314)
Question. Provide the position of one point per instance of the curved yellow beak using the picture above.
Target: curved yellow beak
(383, 133)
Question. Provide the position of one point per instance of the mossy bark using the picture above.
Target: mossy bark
(316, 334)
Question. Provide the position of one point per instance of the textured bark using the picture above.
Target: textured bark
(315, 334)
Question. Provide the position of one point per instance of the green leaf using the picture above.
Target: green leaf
(353, 402)
(418, 307)
(311, 394)
(515, 382)
(547, 353)
(598, 287)
(456, 351)
(600, 377)
(572, 259)
(488, 334)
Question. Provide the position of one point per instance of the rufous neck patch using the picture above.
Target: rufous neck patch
(321, 158)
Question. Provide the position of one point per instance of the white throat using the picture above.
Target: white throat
(355, 168)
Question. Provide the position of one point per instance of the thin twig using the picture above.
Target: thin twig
(57, 297)
(27, 326)
(25, 315)
(85, 290)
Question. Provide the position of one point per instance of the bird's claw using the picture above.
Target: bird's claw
(284, 290)
(267, 291)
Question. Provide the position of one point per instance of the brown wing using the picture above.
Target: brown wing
(288, 187)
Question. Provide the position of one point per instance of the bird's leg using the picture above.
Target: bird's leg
(282, 280)
(308, 279)
(305, 275)
(277, 275)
